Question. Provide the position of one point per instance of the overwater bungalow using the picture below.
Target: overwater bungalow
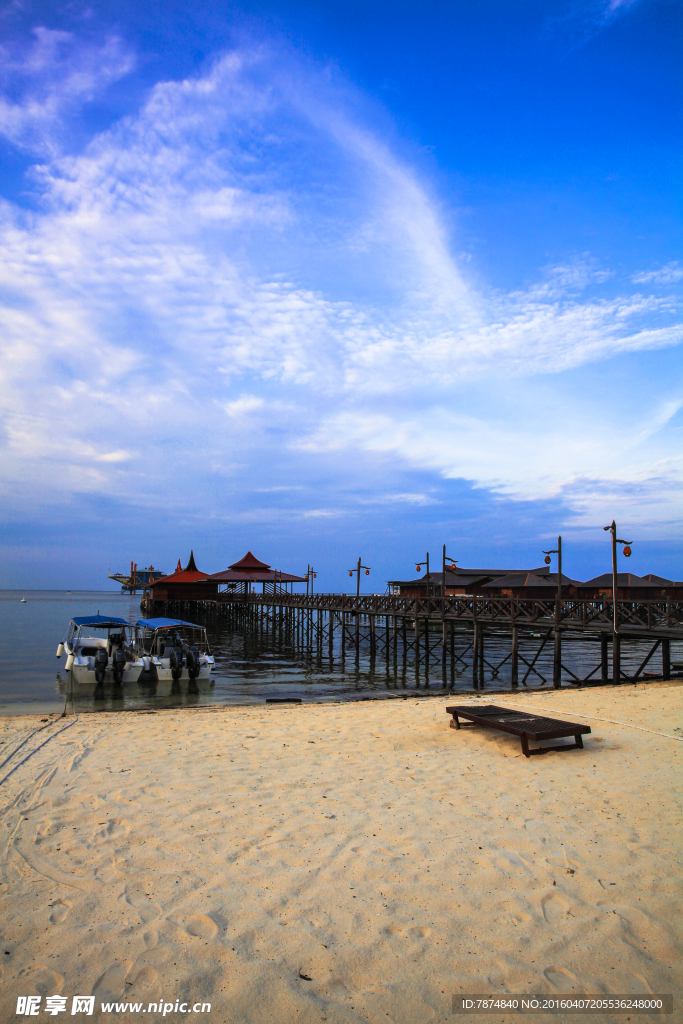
(244, 576)
(188, 584)
(459, 581)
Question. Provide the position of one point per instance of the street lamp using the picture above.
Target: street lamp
(310, 574)
(357, 571)
(556, 551)
(447, 558)
(627, 554)
(557, 656)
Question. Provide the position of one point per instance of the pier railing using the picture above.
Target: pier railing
(592, 614)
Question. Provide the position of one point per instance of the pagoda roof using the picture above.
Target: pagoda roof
(248, 564)
(190, 574)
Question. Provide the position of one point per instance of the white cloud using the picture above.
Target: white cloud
(50, 82)
(669, 274)
(244, 404)
(242, 251)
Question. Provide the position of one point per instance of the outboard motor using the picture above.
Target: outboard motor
(101, 661)
(176, 659)
(118, 664)
(192, 659)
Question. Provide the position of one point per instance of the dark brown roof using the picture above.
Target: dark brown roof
(465, 577)
(624, 579)
(520, 579)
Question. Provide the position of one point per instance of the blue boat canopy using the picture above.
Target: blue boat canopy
(165, 623)
(99, 620)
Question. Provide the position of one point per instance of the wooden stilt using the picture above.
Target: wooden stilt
(557, 659)
(475, 656)
(616, 658)
(514, 673)
(604, 668)
(666, 659)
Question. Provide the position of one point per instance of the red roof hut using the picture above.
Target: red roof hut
(240, 575)
(188, 584)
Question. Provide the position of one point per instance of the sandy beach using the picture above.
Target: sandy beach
(229, 855)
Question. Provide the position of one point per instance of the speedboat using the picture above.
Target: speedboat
(174, 650)
(99, 649)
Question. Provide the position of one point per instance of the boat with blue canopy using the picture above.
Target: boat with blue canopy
(101, 648)
(172, 649)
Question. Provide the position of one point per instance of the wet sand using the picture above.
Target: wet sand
(219, 855)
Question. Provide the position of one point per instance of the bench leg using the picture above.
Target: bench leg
(525, 746)
(578, 743)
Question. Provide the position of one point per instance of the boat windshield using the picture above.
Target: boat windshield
(116, 631)
(178, 634)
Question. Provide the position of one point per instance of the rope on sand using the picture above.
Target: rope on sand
(627, 725)
(35, 750)
(35, 731)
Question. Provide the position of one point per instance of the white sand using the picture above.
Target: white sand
(214, 855)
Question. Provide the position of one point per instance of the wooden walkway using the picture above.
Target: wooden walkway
(426, 629)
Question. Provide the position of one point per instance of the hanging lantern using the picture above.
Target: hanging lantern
(315, 575)
(367, 572)
(417, 568)
(350, 572)
(547, 559)
(627, 551)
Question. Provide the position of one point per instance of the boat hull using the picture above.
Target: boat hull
(84, 675)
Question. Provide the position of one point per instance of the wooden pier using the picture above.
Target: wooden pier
(444, 630)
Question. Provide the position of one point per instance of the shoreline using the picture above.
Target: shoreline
(487, 692)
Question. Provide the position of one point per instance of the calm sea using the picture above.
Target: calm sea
(251, 667)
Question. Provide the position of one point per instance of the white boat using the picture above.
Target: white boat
(101, 649)
(174, 650)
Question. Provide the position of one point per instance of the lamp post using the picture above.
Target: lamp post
(310, 575)
(616, 653)
(418, 566)
(357, 571)
(447, 558)
(557, 654)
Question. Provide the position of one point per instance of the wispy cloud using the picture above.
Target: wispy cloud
(244, 250)
(50, 82)
(669, 274)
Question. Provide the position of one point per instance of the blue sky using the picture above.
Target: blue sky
(334, 279)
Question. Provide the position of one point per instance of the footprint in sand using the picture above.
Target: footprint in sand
(143, 903)
(422, 930)
(560, 978)
(150, 938)
(110, 985)
(116, 828)
(60, 909)
(199, 926)
(396, 929)
(554, 909)
(42, 980)
(145, 986)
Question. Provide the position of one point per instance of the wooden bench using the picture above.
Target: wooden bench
(520, 723)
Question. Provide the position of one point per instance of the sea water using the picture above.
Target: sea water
(252, 666)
